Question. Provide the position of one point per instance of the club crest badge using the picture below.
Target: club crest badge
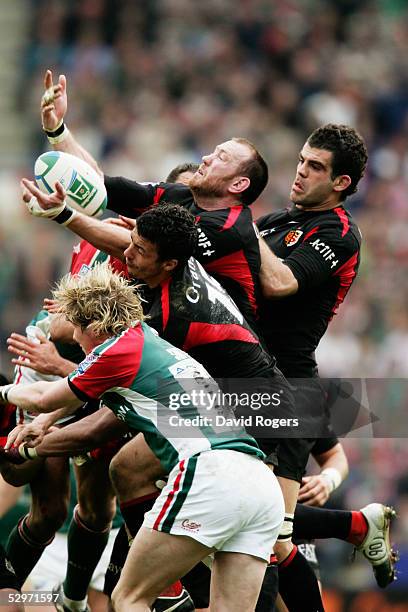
(292, 237)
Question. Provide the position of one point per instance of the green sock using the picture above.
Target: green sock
(23, 551)
(85, 548)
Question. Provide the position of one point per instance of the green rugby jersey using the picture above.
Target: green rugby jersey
(162, 392)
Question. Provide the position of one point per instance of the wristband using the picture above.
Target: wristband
(65, 216)
(27, 452)
(333, 477)
(57, 131)
(58, 135)
(4, 391)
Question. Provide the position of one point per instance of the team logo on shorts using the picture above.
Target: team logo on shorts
(292, 237)
(190, 525)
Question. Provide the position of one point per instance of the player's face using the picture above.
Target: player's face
(313, 184)
(142, 260)
(218, 170)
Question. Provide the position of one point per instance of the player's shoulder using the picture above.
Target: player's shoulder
(122, 343)
(339, 224)
(173, 193)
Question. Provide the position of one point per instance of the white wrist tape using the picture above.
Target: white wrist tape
(333, 477)
(60, 138)
(37, 211)
(26, 452)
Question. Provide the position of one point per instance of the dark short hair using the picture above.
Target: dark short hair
(348, 149)
(180, 169)
(256, 169)
(172, 229)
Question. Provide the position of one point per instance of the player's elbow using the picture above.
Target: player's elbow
(275, 288)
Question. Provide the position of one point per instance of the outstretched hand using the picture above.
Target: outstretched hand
(40, 356)
(54, 102)
(42, 204)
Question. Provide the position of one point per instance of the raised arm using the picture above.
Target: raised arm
(109, 238)
(54, 106)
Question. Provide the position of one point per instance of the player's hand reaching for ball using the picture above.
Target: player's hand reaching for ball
(53, 102)
(42, 204)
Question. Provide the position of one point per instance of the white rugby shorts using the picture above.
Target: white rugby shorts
(225, 499)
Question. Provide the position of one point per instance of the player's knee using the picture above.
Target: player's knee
(124, 598)
(96, 515)
(49, 516)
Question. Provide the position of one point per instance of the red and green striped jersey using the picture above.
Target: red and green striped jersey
(162, 392)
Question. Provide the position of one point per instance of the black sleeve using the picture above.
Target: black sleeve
(322, 445)
(262, 221)
(321, 256)
(127, 197)
(130, 198)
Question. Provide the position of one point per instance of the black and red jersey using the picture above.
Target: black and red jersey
(228, 244)
(322, 249)
(192, 311)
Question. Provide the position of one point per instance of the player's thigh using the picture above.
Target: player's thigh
(236, 581)
(96, 498)
(50, 491)
(133, 468)
(154, 562)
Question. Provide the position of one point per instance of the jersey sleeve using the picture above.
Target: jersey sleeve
(99, 372)
(130, 198)
(324, 253)
(322, 445)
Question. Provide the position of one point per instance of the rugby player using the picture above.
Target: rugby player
(315, 248)
(219, 194)
(125, 362)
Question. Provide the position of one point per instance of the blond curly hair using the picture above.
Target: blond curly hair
(100, 299)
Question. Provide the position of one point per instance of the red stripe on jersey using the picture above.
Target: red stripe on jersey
(313, 231)
(206, 333)
(233, 215)
(158, 194)
(347, 273)
(165, 302)
(341, 213)
(119, 267)
(85, 253)
(116, 366)
(289, 559)
(170, 496)
(236, 267)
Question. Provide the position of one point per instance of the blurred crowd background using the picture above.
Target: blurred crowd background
(155, 83)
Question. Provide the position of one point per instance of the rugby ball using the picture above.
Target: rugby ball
(85, 188)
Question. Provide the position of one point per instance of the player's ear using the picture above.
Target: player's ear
(239, 184)
(170, 264)
(341, 182)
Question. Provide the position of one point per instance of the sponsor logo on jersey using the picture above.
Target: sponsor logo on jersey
(84, 270)
(325, 251)
(292, 237)
(268, 231)
(87, 362)
(190, 525)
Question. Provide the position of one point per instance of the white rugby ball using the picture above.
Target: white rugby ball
(85, 189)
